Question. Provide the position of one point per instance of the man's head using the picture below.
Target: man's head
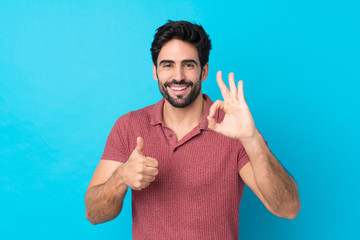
(180, 53)
(185, 31)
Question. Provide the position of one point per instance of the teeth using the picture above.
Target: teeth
(178, 88)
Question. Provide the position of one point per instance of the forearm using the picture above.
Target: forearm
(104, 202)
(277, 187)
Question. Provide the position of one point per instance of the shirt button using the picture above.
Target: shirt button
(170, 135)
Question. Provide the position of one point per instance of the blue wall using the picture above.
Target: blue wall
(69, 69)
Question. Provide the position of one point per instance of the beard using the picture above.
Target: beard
(181, 101)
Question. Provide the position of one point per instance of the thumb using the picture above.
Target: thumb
(139, 145)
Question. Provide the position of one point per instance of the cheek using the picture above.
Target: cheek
(199, 76)
(163, 74)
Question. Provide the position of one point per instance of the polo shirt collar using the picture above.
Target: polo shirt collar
(157, 116)
(156, 113)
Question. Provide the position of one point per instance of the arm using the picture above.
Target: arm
(105, 194)
(264, 175)
(269, 181)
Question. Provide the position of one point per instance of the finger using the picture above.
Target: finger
(241, 95)
(142, 186)
(233, 91)
(139, 145)
(151, 171)
(218, 104)
(148, 179)
(213, 125)
(223, 88)
(151, 162)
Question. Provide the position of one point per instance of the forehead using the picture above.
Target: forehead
(177, 50)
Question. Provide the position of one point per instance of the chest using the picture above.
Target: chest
(199, 162)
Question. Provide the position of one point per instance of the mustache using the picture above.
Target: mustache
(182, 82)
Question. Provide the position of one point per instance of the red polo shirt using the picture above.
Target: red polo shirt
(197, 192)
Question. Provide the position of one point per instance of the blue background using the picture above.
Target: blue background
(69, 69)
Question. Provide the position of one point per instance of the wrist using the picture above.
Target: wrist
(118, 178)
(251, 138)
(254, 144)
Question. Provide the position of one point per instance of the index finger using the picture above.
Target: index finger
(151, 162)
(223, 88)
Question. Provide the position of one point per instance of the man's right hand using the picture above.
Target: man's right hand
(139, 171)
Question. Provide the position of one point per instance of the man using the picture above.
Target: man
(185, 158)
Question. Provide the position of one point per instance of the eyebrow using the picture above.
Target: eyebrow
(189, 61)
(165, 61)
(183, 61)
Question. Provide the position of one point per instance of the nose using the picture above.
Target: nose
(179, 74)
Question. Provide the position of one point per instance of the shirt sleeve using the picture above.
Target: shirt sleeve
(242, 158)
(117, 144)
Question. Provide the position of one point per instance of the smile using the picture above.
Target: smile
(178, 89)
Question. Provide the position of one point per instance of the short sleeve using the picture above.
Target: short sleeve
(242, 158)
(117, 144)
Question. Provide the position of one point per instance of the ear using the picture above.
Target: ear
(154, 73)
(205, 71)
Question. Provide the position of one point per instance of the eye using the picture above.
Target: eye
(189, 65)
(167, 65)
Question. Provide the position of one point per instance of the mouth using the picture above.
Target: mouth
(178, 89)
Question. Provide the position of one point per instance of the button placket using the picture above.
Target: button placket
(170, 136)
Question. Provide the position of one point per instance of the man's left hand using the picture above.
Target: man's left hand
(238, 122)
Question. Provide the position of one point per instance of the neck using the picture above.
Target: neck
(184, 118)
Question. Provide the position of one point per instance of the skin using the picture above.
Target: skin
(181, 62)
(264, 174)
(105, 194)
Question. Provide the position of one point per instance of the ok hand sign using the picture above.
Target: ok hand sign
(238, 122)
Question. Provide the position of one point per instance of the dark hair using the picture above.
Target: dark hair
(185, 31)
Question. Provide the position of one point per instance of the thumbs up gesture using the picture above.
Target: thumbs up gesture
(139, 171)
